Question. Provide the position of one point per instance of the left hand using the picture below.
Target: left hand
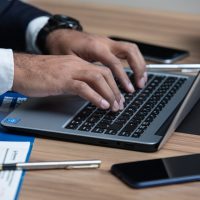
(92, 47)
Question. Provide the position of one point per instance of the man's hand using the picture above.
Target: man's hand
(39, 75)
(102, 49)
(69, 70)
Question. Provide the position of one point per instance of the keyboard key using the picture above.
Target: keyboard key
(88, 124)
(72, 126)
(145, 124)
(84, 128)
(121, 121)
(129, 128)
(93, 119)
(98, 130)
(103, 125)
(135, 135)
(115, 126)
(138, 132)
(124, 133)
(111, 132)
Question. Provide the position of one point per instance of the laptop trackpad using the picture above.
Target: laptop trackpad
(53, 112)
(56, 104)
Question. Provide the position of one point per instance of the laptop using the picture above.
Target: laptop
(149, 118)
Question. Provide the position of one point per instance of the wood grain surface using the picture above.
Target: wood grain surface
(172, 29)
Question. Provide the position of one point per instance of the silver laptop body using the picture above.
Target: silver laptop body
(57, 117)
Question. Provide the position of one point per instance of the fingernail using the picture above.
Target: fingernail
(115, 106)
(104, 104)
(130, 87)
(121, 104)
(122, 97)
(141, 82)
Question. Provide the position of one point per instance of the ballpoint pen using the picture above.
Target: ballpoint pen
(76, 164)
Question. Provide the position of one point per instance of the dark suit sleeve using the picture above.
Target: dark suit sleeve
(14, 19)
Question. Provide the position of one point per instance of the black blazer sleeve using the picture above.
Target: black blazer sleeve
(14, 19)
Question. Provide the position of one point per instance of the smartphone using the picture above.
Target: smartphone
(156, 53)
(149, 173)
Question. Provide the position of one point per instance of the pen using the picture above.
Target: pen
(77, 164)
(173, 66)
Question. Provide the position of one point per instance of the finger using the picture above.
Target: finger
(96, 81)
(109, 59)
(106, 72)
(85, 91)
(138, 65)
(135, 59)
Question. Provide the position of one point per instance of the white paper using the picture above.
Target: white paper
(11, 152)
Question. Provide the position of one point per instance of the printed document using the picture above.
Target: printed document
(11, 152)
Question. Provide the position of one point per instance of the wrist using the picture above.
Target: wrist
(54, 41)
(56, 22)
(17, 72)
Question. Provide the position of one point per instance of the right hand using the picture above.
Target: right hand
(40, 75)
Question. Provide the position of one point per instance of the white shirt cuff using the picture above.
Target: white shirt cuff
(6, 70)
(32, 32)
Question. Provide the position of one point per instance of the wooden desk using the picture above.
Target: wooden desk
(176, 30)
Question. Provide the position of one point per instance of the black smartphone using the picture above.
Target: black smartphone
(156, 53)
(149, 173)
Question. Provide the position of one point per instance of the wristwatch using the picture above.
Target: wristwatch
(56, 22)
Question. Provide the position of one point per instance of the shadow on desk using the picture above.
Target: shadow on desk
(191, 124)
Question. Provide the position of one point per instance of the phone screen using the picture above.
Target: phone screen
(159, 171)
(156, 53)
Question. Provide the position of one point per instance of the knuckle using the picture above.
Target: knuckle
(143, 64)
(74, 86)
(133, 48)
(124, 78)
(92, 41)
(82, 86)
(97, 77)
(139, 74)
(79, 86)
(112, 99)
(115, 63)
(118, 94)
(107, 71)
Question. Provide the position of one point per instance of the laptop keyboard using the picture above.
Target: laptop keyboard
(140, 109)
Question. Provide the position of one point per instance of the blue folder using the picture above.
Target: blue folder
(14, 100)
